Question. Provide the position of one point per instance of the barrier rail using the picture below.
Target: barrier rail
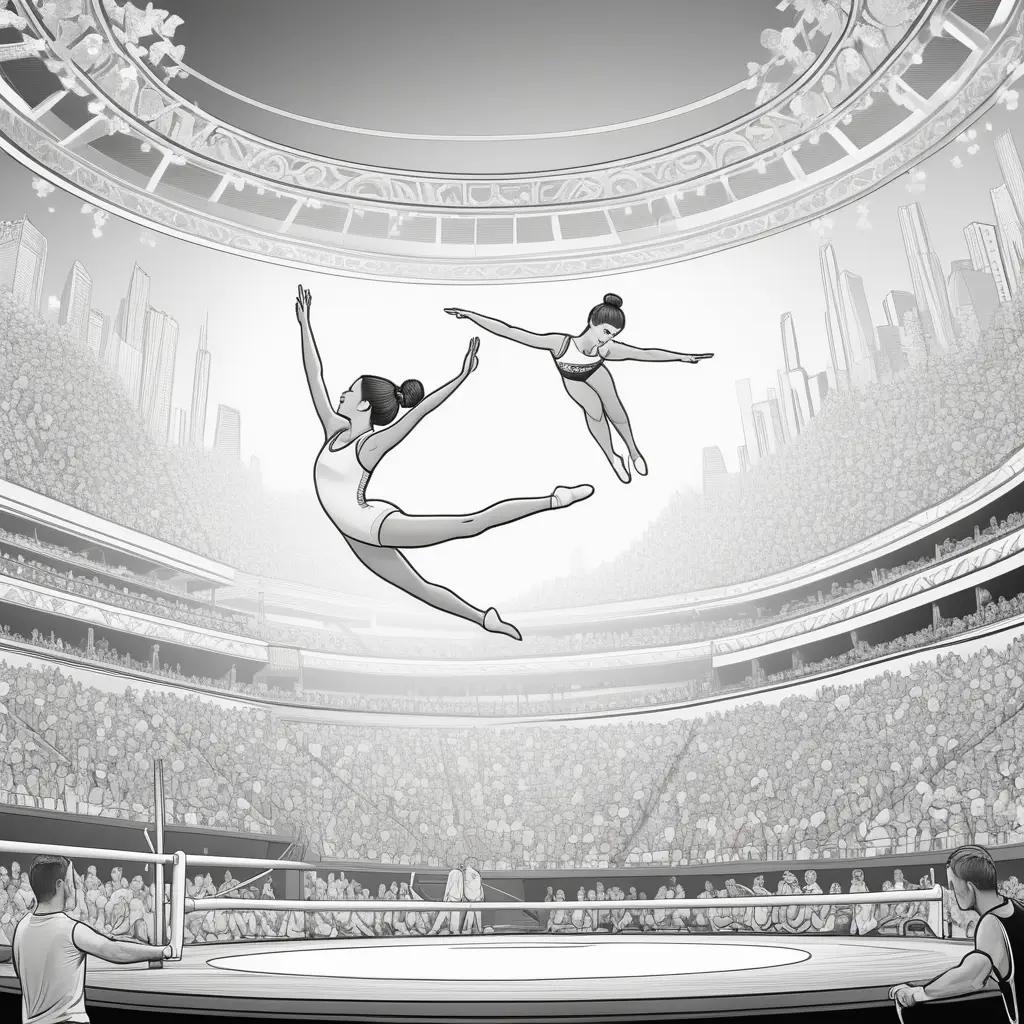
(181, 905)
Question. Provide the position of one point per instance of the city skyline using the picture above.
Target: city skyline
(940, 310)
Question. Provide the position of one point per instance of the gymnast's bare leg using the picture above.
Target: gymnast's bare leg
(392, 566)
(604, 385)
(400, 530)
(597, 423)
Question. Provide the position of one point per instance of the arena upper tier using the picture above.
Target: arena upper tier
(837, 98)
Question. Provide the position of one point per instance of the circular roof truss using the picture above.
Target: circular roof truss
(889, 82)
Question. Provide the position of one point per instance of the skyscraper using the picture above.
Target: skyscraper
(768, 425)
(1013, 171)
(96, 335)
(835, 320)
(1011, 235)
(178, 435)
(76, 301)
(745, 398)
(132, 329)
(22, 261)
(819, 391)
(227, 437)
(860, 330)
(928, 280)
(200, 391)
(160, 349)
(897, 305)
(794, 385)
(972, 292)
(890, 348)
(983, 245)
(714, 470)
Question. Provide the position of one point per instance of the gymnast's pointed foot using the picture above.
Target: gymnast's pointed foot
(563, 497)
(621, 467)
(494, 623)
(640, 465)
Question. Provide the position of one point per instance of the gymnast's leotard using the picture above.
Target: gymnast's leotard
(340, 480)
(573, 363)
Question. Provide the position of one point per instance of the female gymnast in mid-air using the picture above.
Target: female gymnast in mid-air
(353, 446)
(580, 360)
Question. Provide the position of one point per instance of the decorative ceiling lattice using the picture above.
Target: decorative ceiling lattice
(854, 93)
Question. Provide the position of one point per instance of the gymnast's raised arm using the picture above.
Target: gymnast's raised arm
(314, 369)
(378, 444)
(547, 342)
(617, 350)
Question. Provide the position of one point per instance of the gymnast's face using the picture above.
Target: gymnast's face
(598, 335)
(351, 404)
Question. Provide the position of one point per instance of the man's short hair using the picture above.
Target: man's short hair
(974, 864)
(44, 874)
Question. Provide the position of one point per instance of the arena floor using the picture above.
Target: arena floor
(536, 978)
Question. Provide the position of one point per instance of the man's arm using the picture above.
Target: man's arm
(92, 942)
(969, 976)
(619, 351)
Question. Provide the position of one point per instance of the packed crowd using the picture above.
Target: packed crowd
(873, 457)
(916, 760)
(67, 432)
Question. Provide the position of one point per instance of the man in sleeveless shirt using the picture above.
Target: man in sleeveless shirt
(50, 947)
(998, 940)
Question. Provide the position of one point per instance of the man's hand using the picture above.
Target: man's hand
(696, 357)
(302, 304)
(907, 995)
(459, 314)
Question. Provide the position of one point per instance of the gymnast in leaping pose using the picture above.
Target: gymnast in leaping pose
(353, 446)
(581, 359)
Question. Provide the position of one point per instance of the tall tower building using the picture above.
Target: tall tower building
(714, 470)
(1013, 171)
(132, 328)
(835, 320)
(200, 391)
(1011, 235)
(768, 427)
(891, 354)
(22, 261)
(819, 391)
(794, 384)
(745, 398)
(928, 279)
(860, 330)
(96, 333)
(897, 305)
(160, 350)
(178, 435)
(972, 292)
(76, 302)
(227, 437)
(986, 256)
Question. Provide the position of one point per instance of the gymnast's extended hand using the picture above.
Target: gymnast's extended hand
(379, 443)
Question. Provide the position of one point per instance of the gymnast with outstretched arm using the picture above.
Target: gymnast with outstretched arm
(580, 360)
(358, 432)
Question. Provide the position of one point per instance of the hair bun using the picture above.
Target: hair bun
(410, 394)
(611, 299)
